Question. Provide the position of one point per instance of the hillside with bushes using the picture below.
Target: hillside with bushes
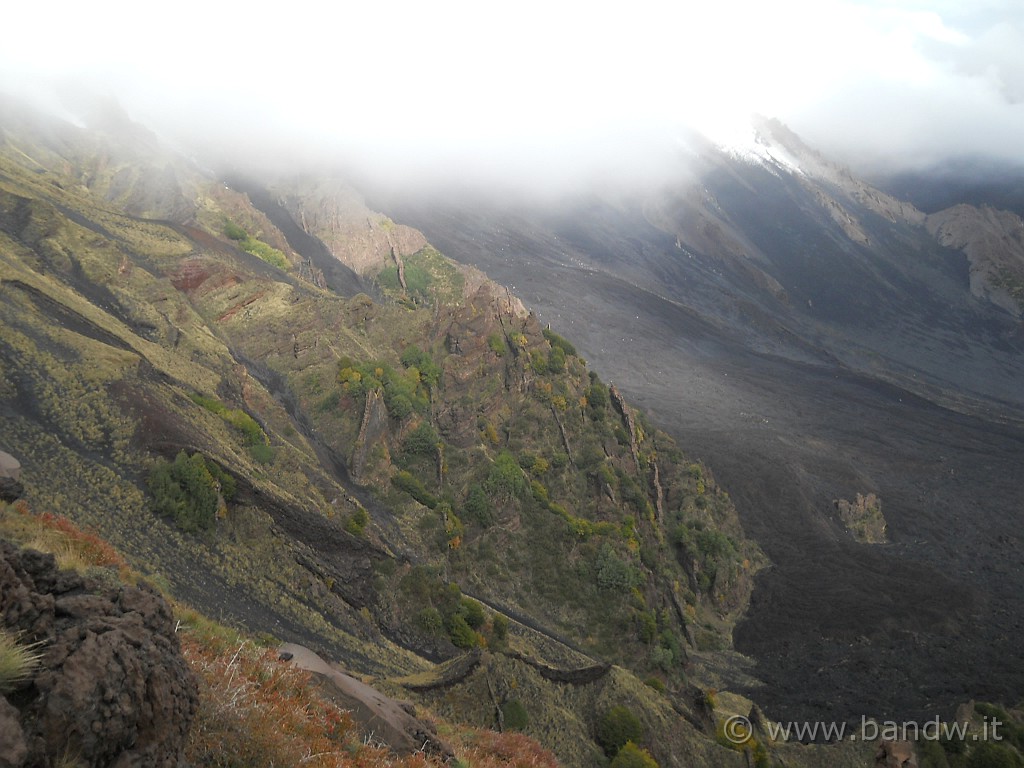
(368, 450)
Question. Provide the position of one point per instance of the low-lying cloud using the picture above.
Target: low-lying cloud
(537, 90)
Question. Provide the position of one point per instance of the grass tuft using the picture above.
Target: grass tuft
(17, 661)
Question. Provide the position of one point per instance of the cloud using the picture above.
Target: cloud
(540, 87)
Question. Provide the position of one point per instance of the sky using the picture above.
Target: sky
(527, 87)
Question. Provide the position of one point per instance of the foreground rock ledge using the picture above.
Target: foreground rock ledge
(112, 687)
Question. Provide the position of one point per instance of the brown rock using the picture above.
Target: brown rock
(112, 686)
(9, 466)
(895, 754)
(13, 751)
(390, 720)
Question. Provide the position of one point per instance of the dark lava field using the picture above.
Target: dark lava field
(901, 385)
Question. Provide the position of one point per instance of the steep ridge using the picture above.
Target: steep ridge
(811, 337)
(193, 393)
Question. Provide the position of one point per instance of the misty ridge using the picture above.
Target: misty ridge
(819, 300)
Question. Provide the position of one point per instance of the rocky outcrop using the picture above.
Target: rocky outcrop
(993, 242)
(895, 754)
(863, 518)
(627, 418)
(391, 721)
(9, 466)
(11, 488)
(10, 473)
(111, 686)
(360, 238)
(373, 429)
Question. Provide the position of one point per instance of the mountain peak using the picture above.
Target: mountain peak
(764, 141)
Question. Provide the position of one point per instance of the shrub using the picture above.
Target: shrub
(556, 360)
(233, 231)
(613, 573)
(460, 633)
(185, 491)
(662, 658)
(473, 613)
(239, 419)
(357, 521)
(422, 441)
(616, 727)
(597, 395)
(265, 252)
(247, 425)
(655, 683)
(632, 756)
(505, 480)
(496, 343)
(514, 715)
(646, 627)
(500, 628)
(262, 454)
(430, 621)
(404, 481)
(714, 544)
(478, 506)
(559, 343)
(428, 371)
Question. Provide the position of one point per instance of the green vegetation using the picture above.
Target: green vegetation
(514, 715)
(256, 247)
(496, 343)
(989, 754)
(429, 278)
(559, 343)
(477, 507)
(410, 484)
(357, 522)
(616, 727)
(255, 438)
(632, 756)
(440, 608)
(526, 490)
(17, 662)
(422, 441)
(505, 480)
(189, 491)
(404, 392)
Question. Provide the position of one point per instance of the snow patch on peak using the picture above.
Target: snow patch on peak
(752, 146)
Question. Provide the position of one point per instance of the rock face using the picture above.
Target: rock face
(895, 754)
(993, 242)
(111, 687)
(361, 239)
(389, 720)
(10, 474)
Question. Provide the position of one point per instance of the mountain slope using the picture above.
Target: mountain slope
(808, 333)
(346, 472)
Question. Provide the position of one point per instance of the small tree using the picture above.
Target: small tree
(616, 727)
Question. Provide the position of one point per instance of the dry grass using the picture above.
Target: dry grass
(488, 749)
(17, 661)
(259, 712)
(73, 548)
